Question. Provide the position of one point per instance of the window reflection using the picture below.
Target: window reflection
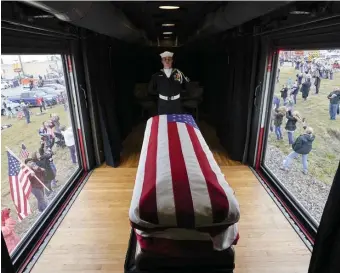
(303, 146)
(38, 149)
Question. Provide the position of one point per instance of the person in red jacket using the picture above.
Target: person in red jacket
(40, 104)
(7, 228)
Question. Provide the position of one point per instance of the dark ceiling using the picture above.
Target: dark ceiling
(149, 17)
(101, 17)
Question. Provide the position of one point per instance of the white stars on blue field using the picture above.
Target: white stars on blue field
(13, 165)
(187, 119)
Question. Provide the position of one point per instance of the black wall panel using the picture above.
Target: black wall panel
(15, 40)
(225, 71)
(100, 78)
(6, 262)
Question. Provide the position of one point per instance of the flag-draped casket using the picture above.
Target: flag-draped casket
(181, 200)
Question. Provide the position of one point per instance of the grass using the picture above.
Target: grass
(20, 132)
(324, 158)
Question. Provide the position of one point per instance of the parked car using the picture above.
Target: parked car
(54, 81)
(52, 75)
(55, 86)
(31, 98)
(13, 105)
(5, 85)
(50, 99)
(51, 91)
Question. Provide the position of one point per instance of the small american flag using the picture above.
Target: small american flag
(178, 182)
(20, 186)
(24, 153)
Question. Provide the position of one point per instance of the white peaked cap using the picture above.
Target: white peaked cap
(166, 54)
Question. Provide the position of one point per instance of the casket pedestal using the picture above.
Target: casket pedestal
(139, 261)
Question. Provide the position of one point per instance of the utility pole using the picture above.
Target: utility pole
(54, 58)
(22, 67)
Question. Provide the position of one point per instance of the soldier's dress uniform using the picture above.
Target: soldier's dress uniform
(168, 84)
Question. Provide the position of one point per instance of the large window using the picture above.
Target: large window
(39, 152)
(303, 145)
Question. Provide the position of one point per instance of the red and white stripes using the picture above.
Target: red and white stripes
(178, 182)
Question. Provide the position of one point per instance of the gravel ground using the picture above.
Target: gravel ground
(310, 192)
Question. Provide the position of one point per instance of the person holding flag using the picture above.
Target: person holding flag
(43, 161)
(37, 188)
(20, 185)
(20, 176)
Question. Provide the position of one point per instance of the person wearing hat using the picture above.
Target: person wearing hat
(168, 84)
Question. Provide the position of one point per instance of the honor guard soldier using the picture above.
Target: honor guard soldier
(168, 84)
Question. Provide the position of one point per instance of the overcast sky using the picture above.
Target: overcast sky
(10, 59)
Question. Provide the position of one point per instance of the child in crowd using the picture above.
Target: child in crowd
(7, 229)
(289, 83)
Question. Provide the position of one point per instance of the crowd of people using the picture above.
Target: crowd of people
(41, 162)
(52, 136)
(43, 175)
(311, 74)
(325, 67)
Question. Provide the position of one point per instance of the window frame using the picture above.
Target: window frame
(325, 35)
(61, 45)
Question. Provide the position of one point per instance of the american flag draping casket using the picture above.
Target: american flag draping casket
(179, 184)
(184, 242)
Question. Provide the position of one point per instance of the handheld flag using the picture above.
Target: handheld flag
(24, 153)
(20, 186)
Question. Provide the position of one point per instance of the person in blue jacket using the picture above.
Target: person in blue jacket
(334, 102)
(302, 146)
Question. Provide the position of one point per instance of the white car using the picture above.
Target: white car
(14, 105)
(55, 86)
(4, 85)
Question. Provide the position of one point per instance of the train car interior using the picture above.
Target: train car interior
(93, 182)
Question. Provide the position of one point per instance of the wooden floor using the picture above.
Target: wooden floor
(94, 234)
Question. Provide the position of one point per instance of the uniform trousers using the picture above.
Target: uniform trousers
(167, 107)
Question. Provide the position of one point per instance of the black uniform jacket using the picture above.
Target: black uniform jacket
(160, 84)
